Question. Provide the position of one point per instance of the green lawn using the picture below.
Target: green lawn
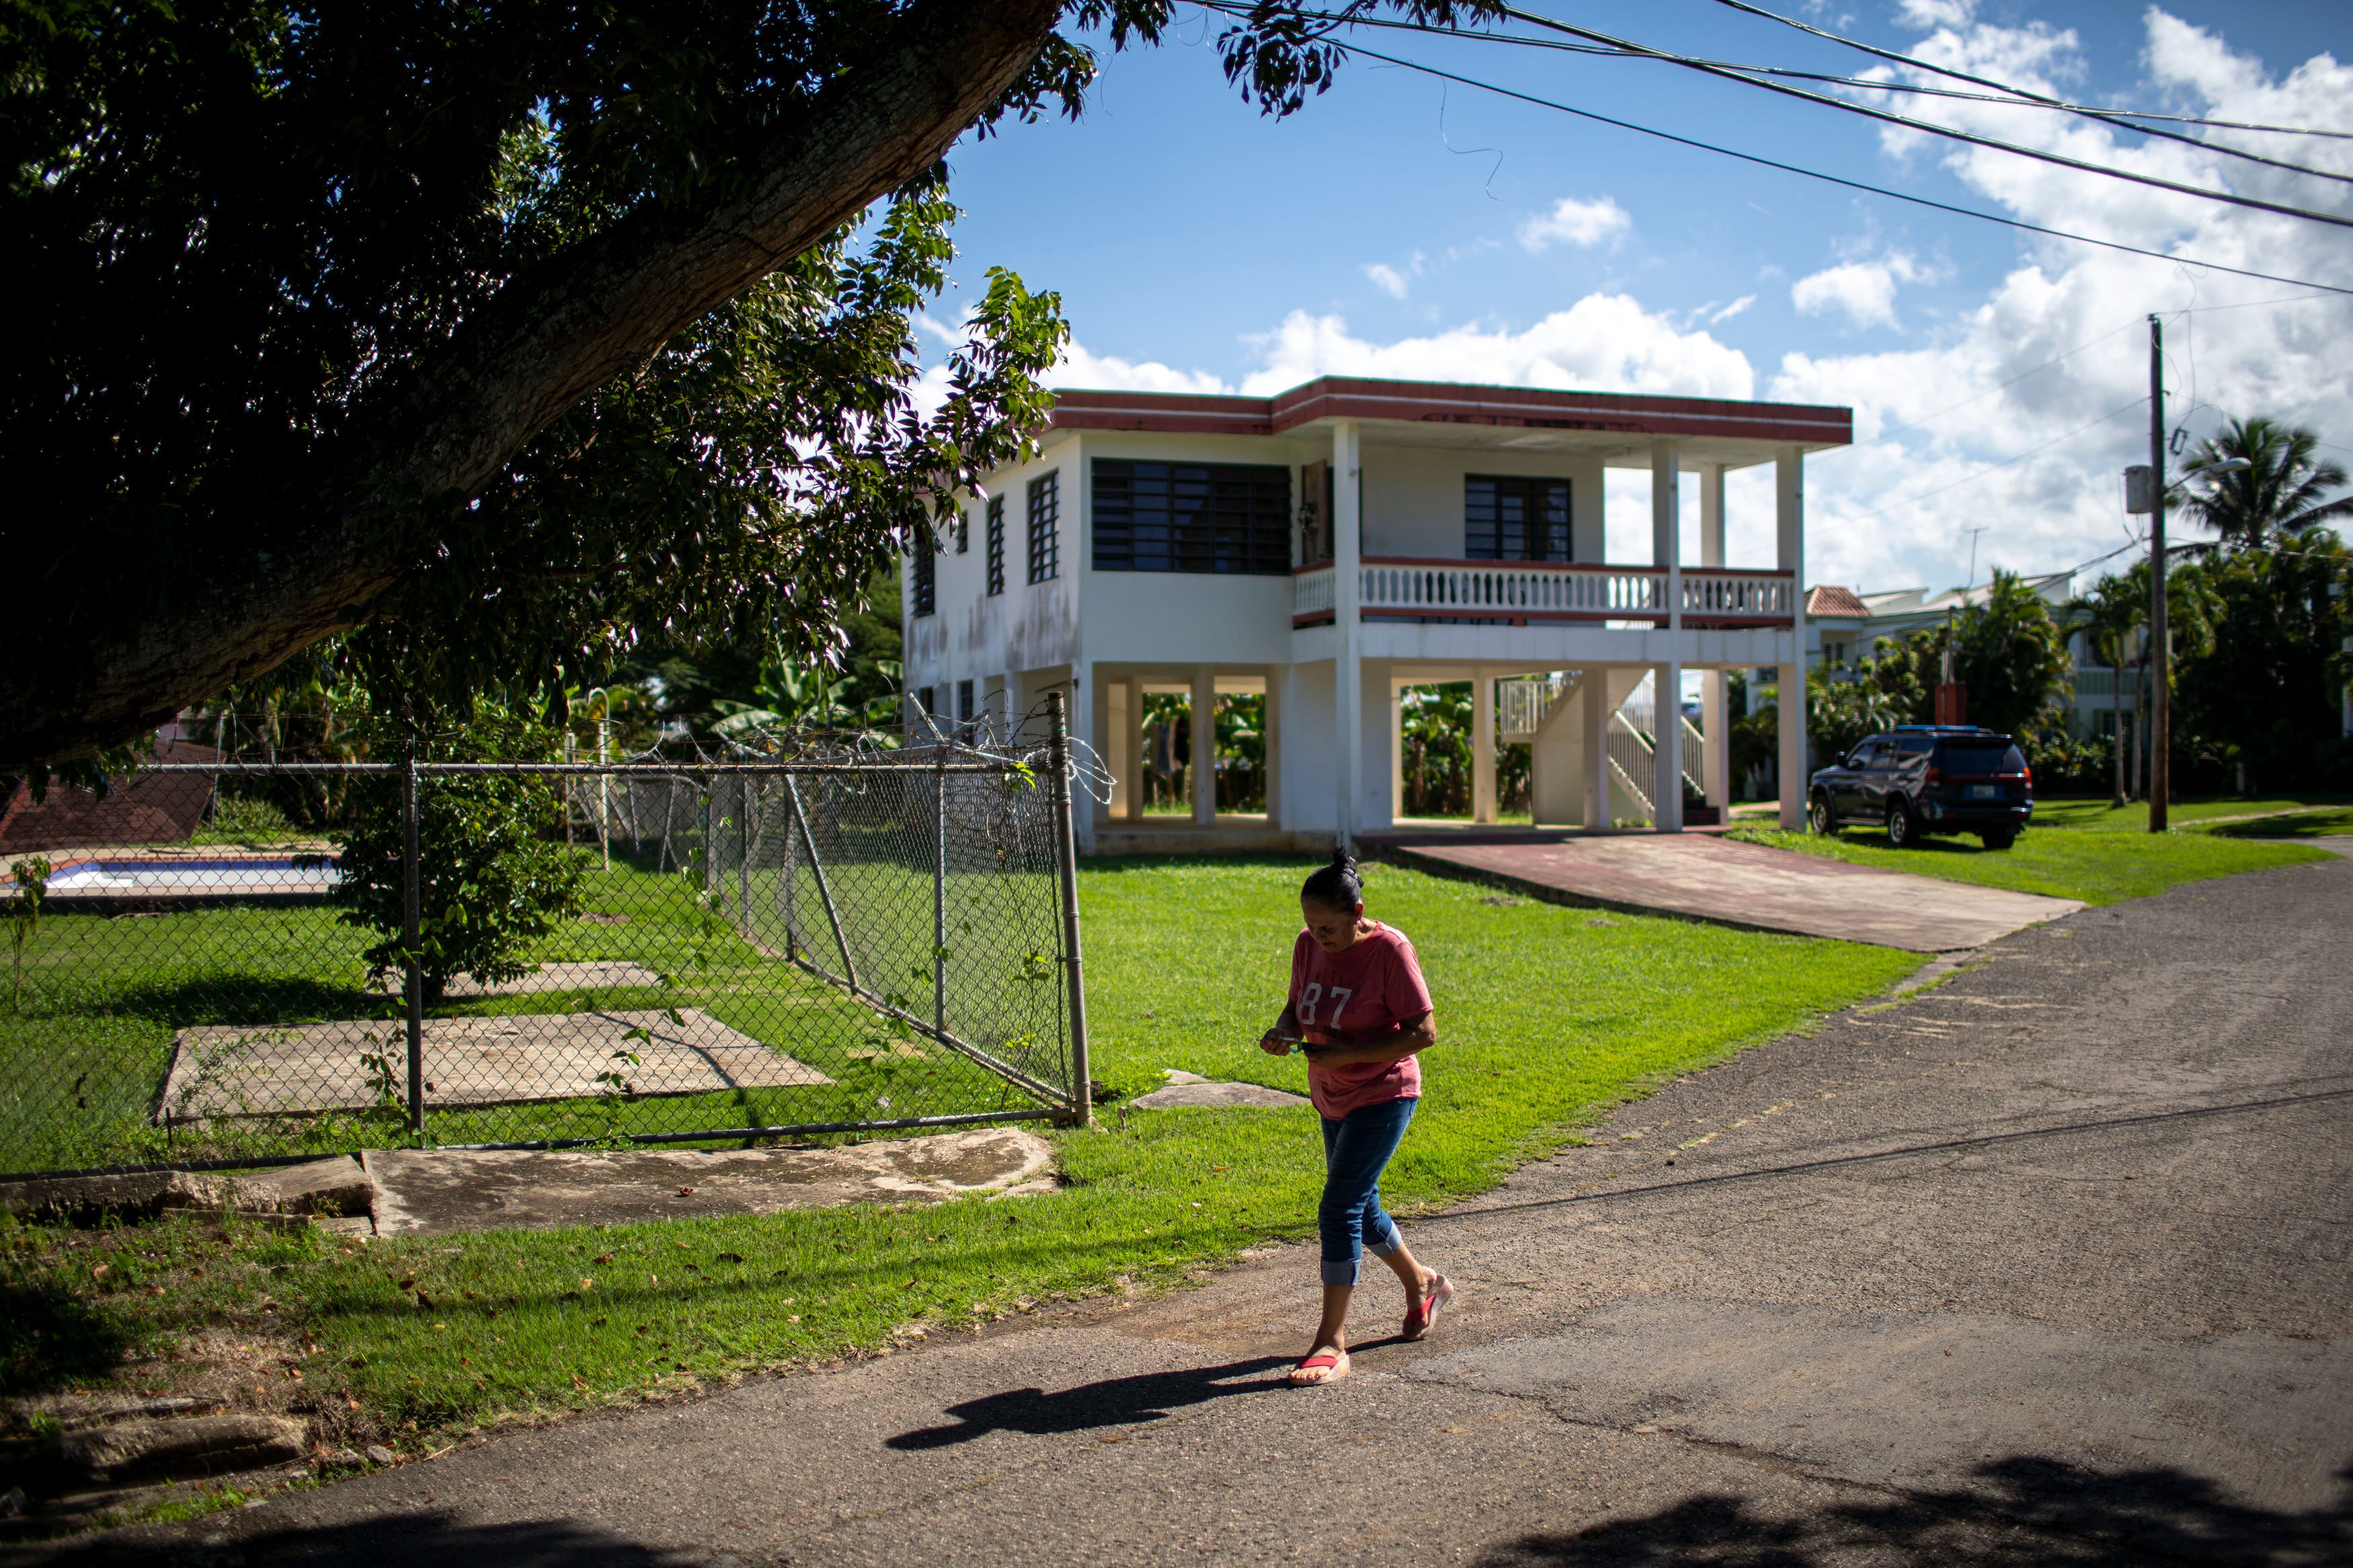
(1546, 1014)
(2098, 814)
(2097, 867)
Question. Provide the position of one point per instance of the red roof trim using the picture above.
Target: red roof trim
(1343, 397)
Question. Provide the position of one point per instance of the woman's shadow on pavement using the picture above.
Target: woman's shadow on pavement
(1114, 1402)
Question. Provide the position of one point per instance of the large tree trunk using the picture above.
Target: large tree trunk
(315, 565)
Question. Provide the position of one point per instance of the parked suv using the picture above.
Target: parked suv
(1927, 778)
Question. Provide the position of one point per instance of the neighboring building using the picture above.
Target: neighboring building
(1842, 625)
(1333, 544)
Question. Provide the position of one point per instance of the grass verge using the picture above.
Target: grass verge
(2099, 814)
(2324, 822)
(1545, 1014)
(2096, 868)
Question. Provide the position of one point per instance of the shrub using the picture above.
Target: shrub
(245, 819)
(491, 881)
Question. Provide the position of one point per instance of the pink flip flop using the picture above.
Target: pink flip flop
(1338, 1364)
(1422, 1319)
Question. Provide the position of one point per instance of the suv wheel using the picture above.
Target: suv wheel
(1902, 832)
(1819, 816)
(1999, 838)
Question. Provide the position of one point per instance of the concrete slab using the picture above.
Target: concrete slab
(596, 975)
(224, 1070)
(1706, 878)
(1211, 1093)
(423, 1192)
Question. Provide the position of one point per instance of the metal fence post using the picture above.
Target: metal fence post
(940, 891)
(745, 805)
(412, 919)
(1066, 857)
(788, 883)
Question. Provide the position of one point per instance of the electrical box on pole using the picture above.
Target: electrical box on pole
(2140, 489)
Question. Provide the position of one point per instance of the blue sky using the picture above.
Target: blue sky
(1402, 227)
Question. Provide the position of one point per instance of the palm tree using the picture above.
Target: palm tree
(2279, 492)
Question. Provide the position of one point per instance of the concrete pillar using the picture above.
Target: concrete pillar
(1138, 764)
(1667, 719)
(1086, 736)
(1596, 722)
(1113, 742)
(1270, 745)
(1667, 523)
(1347, 596)
(1789, 555)
(1482, 746)
(1396, 749)
(1204, 745)
(1715, 722)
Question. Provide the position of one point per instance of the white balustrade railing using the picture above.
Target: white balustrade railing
(1695, 757)
(1522, 703)
(1631, 756)
(1540, 591)
(1311, 595)
(1514, 590)
(1712, 596)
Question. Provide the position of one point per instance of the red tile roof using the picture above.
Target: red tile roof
(1830, 599)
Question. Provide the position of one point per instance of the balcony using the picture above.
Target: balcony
(1519, 593)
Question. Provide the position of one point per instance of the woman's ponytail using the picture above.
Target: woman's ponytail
(1336, 885)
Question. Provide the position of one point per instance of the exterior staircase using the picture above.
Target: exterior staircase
(1522, 704)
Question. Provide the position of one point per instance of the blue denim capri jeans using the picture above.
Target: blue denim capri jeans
(1356, 1148)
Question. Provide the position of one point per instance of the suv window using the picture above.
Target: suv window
(1980, 757)
(1865, 754)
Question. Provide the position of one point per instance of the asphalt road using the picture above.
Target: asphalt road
(2047, 1264)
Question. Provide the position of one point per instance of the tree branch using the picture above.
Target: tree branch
(313, 562)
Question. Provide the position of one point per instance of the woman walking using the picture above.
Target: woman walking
(1360, 1010)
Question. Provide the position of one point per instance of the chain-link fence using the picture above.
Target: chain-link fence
(546, 954)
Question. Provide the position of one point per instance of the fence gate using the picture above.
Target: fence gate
(534, 954)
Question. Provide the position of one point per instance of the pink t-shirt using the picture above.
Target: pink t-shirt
(1348, 998)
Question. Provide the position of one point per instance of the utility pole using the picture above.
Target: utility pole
(2160, 740)
(1973, 533)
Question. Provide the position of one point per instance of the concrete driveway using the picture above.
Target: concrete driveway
(2048, 1264)
(1705, 876)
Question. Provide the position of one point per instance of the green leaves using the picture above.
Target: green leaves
(489, 884)
(30, 884)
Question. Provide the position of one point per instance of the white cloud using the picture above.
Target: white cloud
(1866, 290)
(1605, 343)
(1395, 281)
(1734, 309)
(2001, 433)
(1925, 14)
(1572, 221)
(1081, 367)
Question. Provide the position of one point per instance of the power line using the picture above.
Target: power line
(1632, 51)
(1763, 162)
(1947, 132)
(2117, 116)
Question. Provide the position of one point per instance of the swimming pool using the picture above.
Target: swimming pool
(184, 875)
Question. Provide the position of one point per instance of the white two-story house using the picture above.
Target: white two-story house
(1335, 544)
